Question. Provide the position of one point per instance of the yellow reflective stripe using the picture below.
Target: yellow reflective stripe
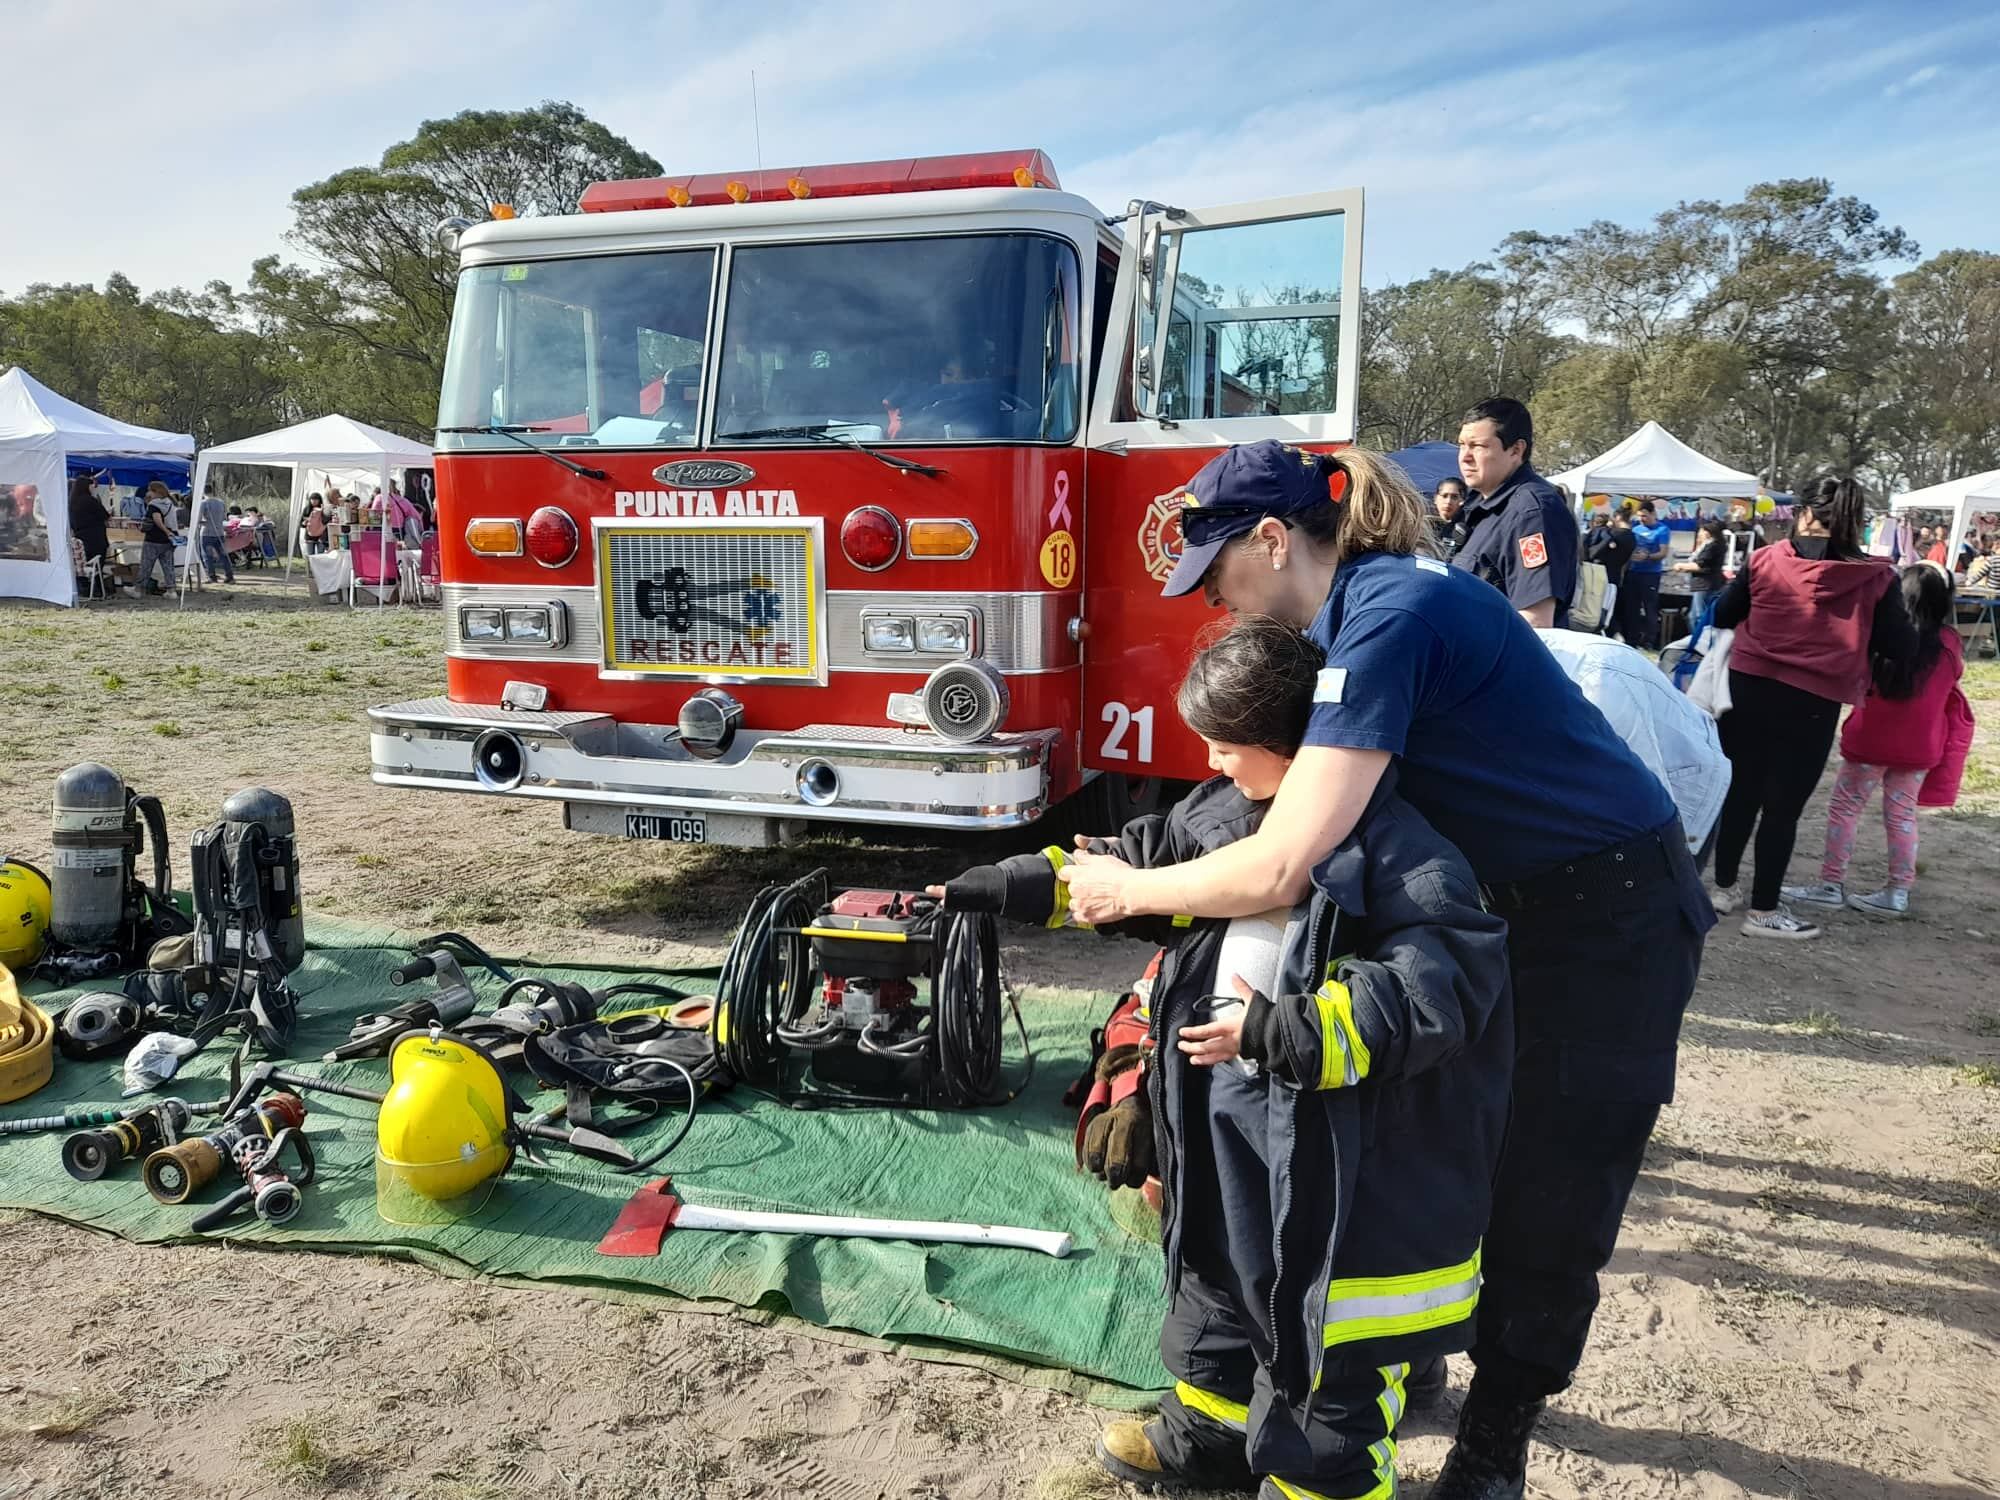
(1343, 1057)
(1381, 1306)
(1183, 921)
(1059, 913)
(1216, 1408)
(1391, 1399)
(1385, 1489)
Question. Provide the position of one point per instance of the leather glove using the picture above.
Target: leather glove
(1118, 1144)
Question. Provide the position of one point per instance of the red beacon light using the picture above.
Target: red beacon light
(915, 174)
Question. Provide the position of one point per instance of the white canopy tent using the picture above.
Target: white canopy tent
(334, 445)
(1652, 461)
(39, 433)
(1974, 495)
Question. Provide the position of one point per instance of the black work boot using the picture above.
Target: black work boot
(1489, 1461)
(1424, 1386)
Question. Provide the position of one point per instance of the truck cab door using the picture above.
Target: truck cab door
(1227, 325)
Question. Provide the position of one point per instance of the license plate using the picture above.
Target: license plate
(666, 827)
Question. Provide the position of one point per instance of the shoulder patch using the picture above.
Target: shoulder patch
(1332, 685)
(1434, 565)
(1534, 551)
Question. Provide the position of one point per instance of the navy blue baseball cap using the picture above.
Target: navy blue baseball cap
(1241, 486)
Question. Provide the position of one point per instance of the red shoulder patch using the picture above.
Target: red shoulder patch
(1534, 551)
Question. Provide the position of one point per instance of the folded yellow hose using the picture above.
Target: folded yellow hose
(27, 1050)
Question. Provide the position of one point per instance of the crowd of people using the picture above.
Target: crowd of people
(1819, 626)
(163, 522)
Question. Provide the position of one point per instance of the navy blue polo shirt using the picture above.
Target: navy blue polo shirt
(1499, 748)
(1522, 540)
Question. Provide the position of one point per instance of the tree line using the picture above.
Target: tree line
(1785, 332)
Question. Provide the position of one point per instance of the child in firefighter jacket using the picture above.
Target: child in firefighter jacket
(1327, 1096)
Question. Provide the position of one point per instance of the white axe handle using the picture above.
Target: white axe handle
(839, 1226)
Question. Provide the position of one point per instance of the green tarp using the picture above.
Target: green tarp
(1096, 1313)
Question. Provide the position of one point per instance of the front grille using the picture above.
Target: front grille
(713, 601)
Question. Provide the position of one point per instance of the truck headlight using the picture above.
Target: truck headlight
(947, 635)
(888, 633)
(530, 627)
(481, 624)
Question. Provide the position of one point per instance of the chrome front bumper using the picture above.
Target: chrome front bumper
(888, 775)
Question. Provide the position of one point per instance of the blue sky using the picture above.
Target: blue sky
(164, 141)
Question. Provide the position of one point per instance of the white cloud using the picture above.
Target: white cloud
(1916, 80)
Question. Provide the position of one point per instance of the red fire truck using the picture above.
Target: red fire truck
(833, 494)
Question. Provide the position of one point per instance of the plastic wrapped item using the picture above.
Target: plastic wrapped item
(154, 1060)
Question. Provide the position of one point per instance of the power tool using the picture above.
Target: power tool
(890, 998)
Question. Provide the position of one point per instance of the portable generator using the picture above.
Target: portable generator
(864, 997)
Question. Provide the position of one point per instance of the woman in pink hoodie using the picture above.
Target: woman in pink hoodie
(1894, 739)
(1809, 614)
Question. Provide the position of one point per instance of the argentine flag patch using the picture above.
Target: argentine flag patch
(1331, 685)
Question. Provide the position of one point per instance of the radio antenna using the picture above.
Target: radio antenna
(757, 125)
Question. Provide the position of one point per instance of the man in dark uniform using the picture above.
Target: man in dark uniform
(1520, 536)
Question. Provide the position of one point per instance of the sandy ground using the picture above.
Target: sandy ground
(1805, 1303)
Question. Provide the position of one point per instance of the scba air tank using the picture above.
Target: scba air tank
(277, 869)
(94, 842)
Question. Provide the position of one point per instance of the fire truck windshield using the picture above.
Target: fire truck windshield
(967, 338)
(944, 339)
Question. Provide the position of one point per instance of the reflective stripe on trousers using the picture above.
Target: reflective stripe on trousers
(1381, 1453)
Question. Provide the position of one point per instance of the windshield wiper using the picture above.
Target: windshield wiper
(823, 432)
(549, 453)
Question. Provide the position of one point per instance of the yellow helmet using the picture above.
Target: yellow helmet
(441, 1135)
(24, 914)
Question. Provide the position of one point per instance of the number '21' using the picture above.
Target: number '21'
(1121, 718)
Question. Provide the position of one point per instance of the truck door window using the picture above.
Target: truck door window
(1255, 323)
(948, 338)
(596, 350)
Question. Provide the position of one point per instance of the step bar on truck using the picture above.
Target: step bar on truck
(830, 773)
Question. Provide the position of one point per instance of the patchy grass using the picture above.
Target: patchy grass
(109, 680)
(71, 1416)
(167, 729)
(297, 1452)
(1820, 1023)
(954, 1417)
(775, 1446)
(316, 645)
(1980, 1075)
(371, 861)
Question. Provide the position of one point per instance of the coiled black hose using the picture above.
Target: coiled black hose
(768, 979)
(965, 1006)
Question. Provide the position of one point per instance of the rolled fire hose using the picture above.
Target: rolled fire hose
(27, 1043)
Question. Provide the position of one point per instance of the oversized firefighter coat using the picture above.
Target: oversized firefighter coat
(1389, 1048)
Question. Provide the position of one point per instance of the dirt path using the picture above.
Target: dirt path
(1805, 1303)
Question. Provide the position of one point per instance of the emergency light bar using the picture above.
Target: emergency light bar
(917, 174)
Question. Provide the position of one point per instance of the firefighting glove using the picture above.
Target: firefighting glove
(1118, 1143)
(982, 888)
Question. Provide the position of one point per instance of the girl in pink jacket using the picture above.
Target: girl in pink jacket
(1894, 738)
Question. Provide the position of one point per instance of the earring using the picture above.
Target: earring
(1276, 565)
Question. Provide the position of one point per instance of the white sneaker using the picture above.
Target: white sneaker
(1778, 924)
(1823, 894)
(1723, 899)
(1893, 902)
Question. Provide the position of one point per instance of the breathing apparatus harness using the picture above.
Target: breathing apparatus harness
(834, 977)
(246, 899)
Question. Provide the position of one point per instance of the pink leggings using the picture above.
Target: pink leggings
(1851, 791)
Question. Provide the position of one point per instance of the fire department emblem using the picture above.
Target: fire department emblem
(1160, 536)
